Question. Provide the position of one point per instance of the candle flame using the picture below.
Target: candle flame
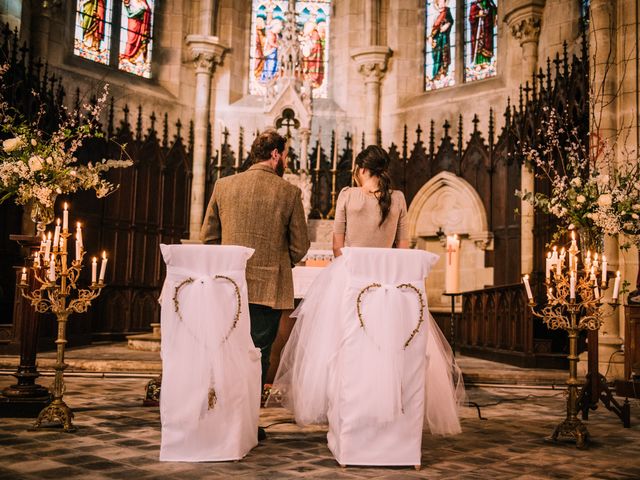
(57, 221)
(49, 235)
(548, 254)
(526, 277)
(65, 205)
(618, 273)
(104, 254)
(78, 225)
(24, 269)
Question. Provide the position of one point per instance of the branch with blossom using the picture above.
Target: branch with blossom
(35, 166)
(591, 192)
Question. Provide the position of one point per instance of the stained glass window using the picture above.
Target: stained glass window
(312, 19)
(267, 22)
(92, 36)
(481, 34)
(440, 44)
(136, 43)
(584, 13)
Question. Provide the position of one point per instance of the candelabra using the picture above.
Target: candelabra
(574, 303)
(58, 281)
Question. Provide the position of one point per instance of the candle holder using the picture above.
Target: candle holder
(334, 194)
(57, 283)
(574, 303)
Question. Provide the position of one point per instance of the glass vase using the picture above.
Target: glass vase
(42, 215)
(591, 240)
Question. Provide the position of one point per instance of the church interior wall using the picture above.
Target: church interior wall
(11, 13)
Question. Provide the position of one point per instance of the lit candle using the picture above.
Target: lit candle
(36, 260)
(572, 286)
(56, 235)
(587, 261)
(555, 254)
(604, 270)
(592, 276)
(43, 243)
(560, 263)
(23, 278)
(103, 266)
(573, 240)
(65, 218)
(452, 265)
(596, 291)
(616, 286)
(94, 270)
(547, 270)
(79, 235)
(595, 262)
(52, 268)
(525, 280)
(78, 250)
(47, 246)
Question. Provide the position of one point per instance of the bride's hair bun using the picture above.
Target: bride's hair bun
(376, 160)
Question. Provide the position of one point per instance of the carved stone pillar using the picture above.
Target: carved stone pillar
(206, 53)
(603, 69)
(372, 64)
(524, 22)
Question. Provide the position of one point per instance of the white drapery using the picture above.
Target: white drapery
(210, 398)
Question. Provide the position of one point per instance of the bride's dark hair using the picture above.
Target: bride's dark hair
(376, 160)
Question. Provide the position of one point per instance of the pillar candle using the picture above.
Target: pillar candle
(65, 218)
(23, 277)
(103, 266)
(604, 270)
(525, 280)
(56, 235)
(52, 268)
(79, 235)
(94, 270)
(572, 286)
(452, 265)
(616, 286)
(47, 247)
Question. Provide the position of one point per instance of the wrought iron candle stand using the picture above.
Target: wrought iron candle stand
(57, 284)
(573, 313)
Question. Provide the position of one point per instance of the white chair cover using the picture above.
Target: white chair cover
(367, 374)
(210, 400)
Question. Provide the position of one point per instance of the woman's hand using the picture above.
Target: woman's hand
(338, 243)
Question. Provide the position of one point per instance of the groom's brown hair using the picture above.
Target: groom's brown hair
(264, 144)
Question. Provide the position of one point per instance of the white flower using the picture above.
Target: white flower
(581, 199)
(33, 142)
(604, 200)
(35, 163)
(12, 144)
(576, 182)
(636, 206)
(635, 216)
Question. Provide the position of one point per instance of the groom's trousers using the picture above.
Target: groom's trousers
(264, 328)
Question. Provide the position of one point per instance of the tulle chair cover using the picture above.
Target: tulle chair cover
(210, 401)
(375, 375)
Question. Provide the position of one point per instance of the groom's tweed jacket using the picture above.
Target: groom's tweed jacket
(260, 210)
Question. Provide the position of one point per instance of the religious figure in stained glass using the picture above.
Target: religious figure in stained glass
(135, 37)
(267, 24)
(93, 30)
(440, 44)
(312, 18)
(481, 33)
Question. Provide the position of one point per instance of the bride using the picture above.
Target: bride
(368, 215)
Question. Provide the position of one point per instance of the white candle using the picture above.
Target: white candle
(103, 266)
(452, 265)
(52, 268)
(560, 263)
(587, 261)
(23, 277)
(65, 218)
(43, 243)
(220, 156)
(47, 247)
(56, 235)
(596, 292)
(572, 286)
(78, 250)
(36, 260)
(616, 286)
(525, 280)
(604, 270)
(94, 270)
(79, 234)
(555, 254)
(547, 270)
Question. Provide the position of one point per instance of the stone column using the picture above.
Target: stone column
(524, 23)
(206, 53)
(603, 67)
(372, 64)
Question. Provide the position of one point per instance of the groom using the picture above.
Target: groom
(260, 210)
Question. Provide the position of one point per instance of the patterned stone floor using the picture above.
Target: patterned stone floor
(118, 438)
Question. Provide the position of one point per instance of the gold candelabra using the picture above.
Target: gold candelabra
(58, 280)
(574, 303)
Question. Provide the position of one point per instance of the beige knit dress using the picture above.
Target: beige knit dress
(358, 218)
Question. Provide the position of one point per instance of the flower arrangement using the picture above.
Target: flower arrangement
(36, 166)
(588, 190)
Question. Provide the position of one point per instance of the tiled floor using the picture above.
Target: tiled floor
(118, 438)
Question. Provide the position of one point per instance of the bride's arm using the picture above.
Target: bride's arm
(338, 243)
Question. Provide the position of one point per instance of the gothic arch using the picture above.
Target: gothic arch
(449, 203)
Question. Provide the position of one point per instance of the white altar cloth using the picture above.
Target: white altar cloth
(210, 400)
